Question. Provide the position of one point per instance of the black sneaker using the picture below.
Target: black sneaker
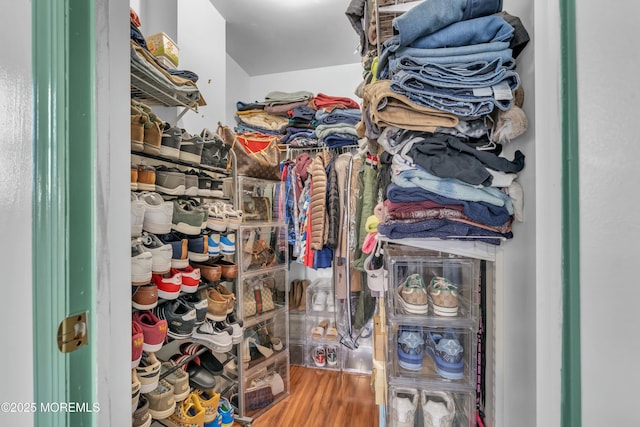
(180, 317)
(204, 184)
(198, 304)
(212, 144)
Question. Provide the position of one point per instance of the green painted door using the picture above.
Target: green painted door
(64, 278)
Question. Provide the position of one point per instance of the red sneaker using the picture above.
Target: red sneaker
(169, 284)
(137, 340)
(153, 329)
(190, 279)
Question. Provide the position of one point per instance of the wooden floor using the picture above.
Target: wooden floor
(323, 398)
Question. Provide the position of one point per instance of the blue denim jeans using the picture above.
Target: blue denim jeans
(467, 102)
(485, 29)
(474, 74)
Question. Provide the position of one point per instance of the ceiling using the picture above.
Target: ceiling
(275, 36)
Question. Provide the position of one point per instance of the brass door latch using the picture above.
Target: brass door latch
(73, 333)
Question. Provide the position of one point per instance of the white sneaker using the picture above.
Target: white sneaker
(216, 218)
(137, 215)
(141, 262)
(405, 402)
(217, 340)
(157, 213)
(438, 408)
(161, 253)
(319, 301)
(234, 217)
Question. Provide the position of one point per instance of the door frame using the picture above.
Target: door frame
(63, 244)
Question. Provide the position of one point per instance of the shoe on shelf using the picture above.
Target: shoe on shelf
(146, 178)
(191, 183)
(199, 377)
(181, 319)
(161, 401)
(154, 330)
(234, 216)
(170, 181)
(141, 264)
(413, 295)
(137, 215)
(447, 353)
(206, 359)
(225, 409)
(319, 356)
(410, 343)
(144, 297)
(213, 239)
(228, 244)
(216, 218)
(137, 341)
(160, 251)
(216, 188)
(157, 213)
(138, 121)
(148, 372)
(179, 249)
(404, 403)
(188, 413)
(443, 295)
(135, 390)
(199, 304)
(190, 279)
(332, 355)
(204, 184)
(438, 408)
(217, 305)
(190, 148)
(198, 248)
(319, 301)
(134, 178)
(236, 326)
(227, 295)
(141, 416)
(210, 399)
(178, 378)
(186, 219)
(170, 142)
(169, 284)
(210, 273)
(152, 129)
(331, 304)
(217, 340)
(212, 143)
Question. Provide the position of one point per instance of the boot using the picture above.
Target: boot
(302, 304)
(293, 295)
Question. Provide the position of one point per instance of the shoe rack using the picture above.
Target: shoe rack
(153, 93)
(434, 309)
(263, 303)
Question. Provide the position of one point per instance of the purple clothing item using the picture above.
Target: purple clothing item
(484, 213)
(442, 229)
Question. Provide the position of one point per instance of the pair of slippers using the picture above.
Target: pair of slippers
(323, 330)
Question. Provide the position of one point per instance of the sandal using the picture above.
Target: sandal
(318, 331)
(332, 332)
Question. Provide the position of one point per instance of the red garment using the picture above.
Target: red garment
(331, 102)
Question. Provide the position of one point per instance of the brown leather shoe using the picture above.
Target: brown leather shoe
(145, 297)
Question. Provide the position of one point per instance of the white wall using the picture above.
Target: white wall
(202, 41)
(548, 301)
(238, 82)
(608, 95)
(16, 121)
(340, 80)
(517, 407)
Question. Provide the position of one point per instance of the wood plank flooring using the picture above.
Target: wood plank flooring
(323, 398)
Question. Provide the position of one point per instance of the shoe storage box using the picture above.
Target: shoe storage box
(411, 406)
(432, 355)
(262, 294)
(297, 353)
(261, 247)
(264, 386)
(439, 290)
(259, 201)
(323, 346)
(161, 46)
(264, 340)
